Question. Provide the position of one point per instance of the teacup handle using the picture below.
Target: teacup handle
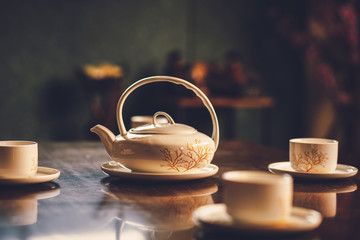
(188, 85)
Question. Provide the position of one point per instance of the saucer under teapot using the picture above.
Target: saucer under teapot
(115, 170)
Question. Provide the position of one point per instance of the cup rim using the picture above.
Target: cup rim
(16, 143)
(319, 141)
(254, 177)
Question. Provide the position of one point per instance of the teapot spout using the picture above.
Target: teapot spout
(106, 137)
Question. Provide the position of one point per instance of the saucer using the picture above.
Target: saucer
(214, 216)
(42, 175)
(341, 171)
(118, 171)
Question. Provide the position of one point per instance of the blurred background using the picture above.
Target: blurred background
(273, 69)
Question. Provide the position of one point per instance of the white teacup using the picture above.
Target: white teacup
(313, 154)
(255, 197)
(18, 159)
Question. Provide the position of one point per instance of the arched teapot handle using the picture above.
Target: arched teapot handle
(196, 90)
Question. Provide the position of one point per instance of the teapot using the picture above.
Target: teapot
(160, 147)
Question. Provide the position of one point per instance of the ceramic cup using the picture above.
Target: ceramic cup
(18, 159)
(140, 120)
(313, 154)
(255, 197)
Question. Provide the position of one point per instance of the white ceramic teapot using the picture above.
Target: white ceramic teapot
(161, 147)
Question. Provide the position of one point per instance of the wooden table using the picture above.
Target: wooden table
(84, 203)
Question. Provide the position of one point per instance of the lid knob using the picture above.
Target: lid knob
(168, 117)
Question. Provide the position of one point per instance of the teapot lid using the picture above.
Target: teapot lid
(163, 128)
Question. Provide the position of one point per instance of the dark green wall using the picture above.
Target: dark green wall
(44, 42)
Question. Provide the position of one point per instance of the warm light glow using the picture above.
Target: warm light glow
(104, 70)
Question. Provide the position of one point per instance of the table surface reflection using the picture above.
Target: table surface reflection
(85, 203)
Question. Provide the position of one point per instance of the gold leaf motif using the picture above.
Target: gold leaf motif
(309, 159)
(185, 158)
(34, 165)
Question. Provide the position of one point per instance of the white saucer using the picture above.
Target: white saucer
(118, 171)
(214, 216)
(43, 174)
(341, 171)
